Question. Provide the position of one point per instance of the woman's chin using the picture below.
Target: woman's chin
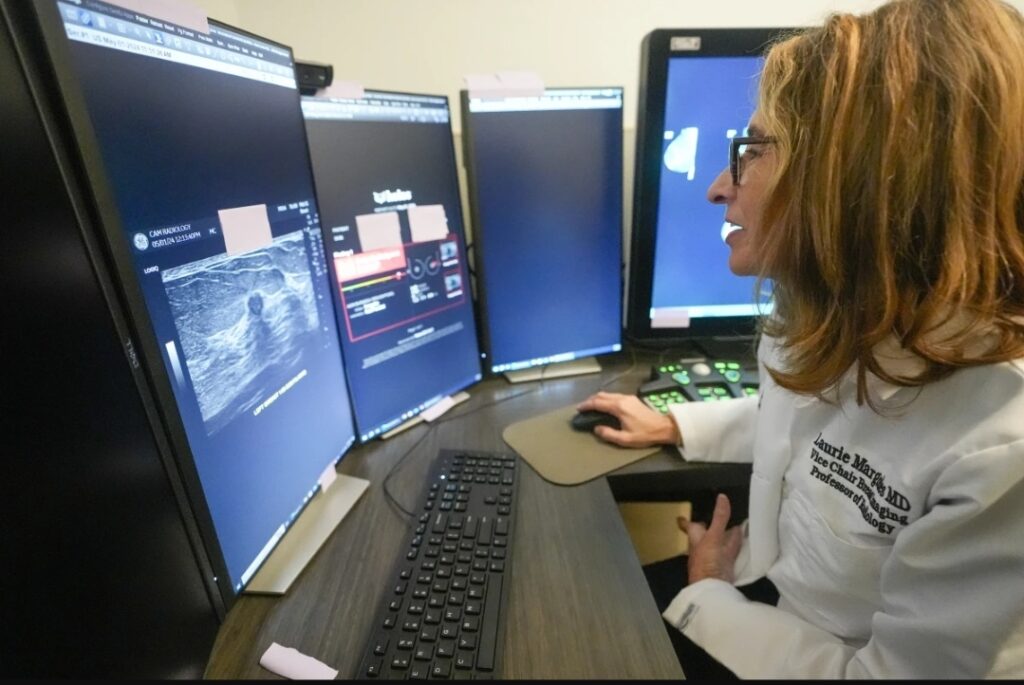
(741, 261)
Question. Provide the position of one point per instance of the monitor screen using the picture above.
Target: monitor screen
(200, 142)
(545, 180)
(389, 199)
(698, 93)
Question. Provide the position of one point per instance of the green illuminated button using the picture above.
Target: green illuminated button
(704, 392)
(663, 369)
(750, 391)
(663, 410)
(721, 392)
(719, 365)
(682, 378)
(732, 376)
(733, 365)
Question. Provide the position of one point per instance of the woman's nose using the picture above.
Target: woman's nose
(721, 189)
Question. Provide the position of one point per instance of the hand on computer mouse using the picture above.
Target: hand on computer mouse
(591, 419)
(641, 425)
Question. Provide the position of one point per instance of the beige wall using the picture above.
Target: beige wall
(428, 45)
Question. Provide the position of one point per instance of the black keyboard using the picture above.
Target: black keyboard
(442, 612)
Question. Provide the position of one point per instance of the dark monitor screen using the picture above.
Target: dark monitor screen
(545, 180)
(699, 90)
(197, 141)
(389, 199)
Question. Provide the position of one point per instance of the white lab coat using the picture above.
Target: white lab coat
(896, 542)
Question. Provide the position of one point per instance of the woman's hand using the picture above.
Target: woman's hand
(713, 549)
(641, 425)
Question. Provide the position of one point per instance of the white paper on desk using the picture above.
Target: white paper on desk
(294, 665)
(327, 477)
(440, 407)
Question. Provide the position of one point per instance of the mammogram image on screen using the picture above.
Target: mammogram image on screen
(243, 321)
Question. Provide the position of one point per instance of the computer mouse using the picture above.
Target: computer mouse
(591, 419)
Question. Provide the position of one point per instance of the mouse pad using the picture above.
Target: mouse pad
(565, 456)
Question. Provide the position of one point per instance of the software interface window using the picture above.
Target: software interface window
(386, 179)
(691, 276)
(545, 179)
(225, 241)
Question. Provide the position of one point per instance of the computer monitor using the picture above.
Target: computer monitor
(389, 199)
(196, 160)
(698, 89)
(545, 183)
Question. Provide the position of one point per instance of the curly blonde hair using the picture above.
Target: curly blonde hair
(897, 206)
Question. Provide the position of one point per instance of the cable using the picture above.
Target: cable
(632, 366)
(394, 469)
(397, 465)
(490, 404)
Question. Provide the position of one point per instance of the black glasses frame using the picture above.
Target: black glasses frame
(734, 150)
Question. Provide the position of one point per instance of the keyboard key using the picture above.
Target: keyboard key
(428, 634)
(400, 663)
(464, 660)
(424, 653)
(419, 672)
(373, 670)
(489, 625)
(381, 646)
(467, 642)
(441, 669)
(445, 649)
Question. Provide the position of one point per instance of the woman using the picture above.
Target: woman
(883, 196)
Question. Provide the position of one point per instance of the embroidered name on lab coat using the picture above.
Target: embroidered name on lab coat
(881, 505)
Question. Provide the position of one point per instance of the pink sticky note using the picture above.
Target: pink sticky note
(504, 84)
(245, 228)
(671, 317)
(428, 222)
(346, 90)
(177, 12)
(379, 231)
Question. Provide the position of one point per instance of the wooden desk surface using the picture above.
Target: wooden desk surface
(578, 606)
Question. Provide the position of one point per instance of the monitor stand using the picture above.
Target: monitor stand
(576, 367)
(429, 414)
(307, 534)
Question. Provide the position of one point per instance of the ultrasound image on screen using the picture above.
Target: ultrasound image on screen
(243, 321)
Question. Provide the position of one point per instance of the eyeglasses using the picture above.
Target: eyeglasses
(738, 148)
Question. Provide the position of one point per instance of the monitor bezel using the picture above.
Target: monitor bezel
(143, 346)
(655, 52)
(462, 220)
(478, 240)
